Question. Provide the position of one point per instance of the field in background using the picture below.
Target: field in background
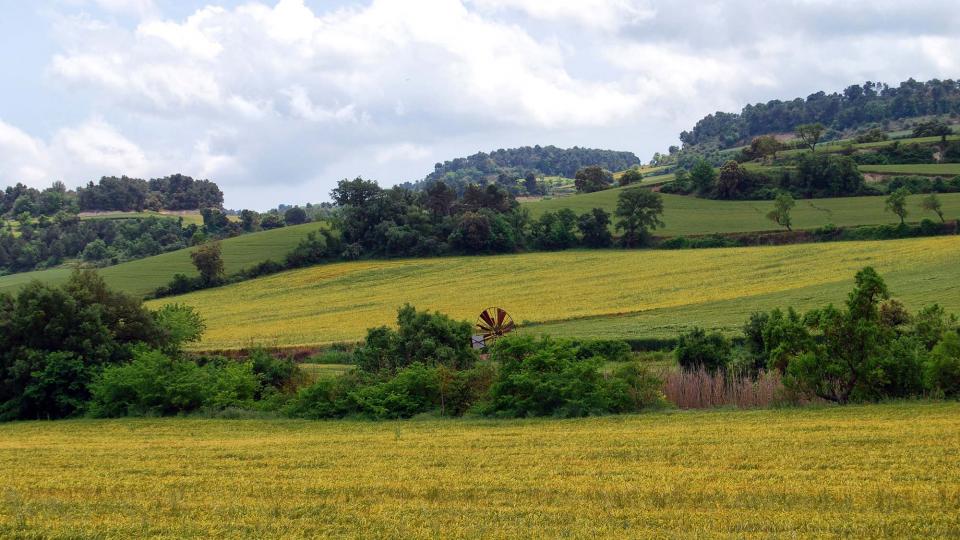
(927, 169)
(614, 293)
(145, 275)
(685, 215)
(189, 216)
(856, 472)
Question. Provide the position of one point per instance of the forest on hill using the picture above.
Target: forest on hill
(857, 105)
(505, 166)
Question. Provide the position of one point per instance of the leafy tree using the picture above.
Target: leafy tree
(933, 128)
(271, 221)
(639, 210)
(421, 336)
(811, 134)
(826, 175)
(356, 192)
(630, 176)
(440, 199)
(178, 324)
(932, 203)
(942, 372)
(482, 232)
(699, 350)
(765, 146)
(703, 177)
(591, 179)
(54, 340)
(209, 262)
(731, 181)
(250, 220)
(782, 206)
(595, 228)
(530, 184)
(555, 230)
(897, 203)
(848, 361)
(295, 216)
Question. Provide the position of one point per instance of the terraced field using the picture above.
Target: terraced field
(842, 472)
(930, 169)
(145, 275)
(611, 293)
(692, 215)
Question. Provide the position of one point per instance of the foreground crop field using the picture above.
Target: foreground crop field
(856, 472)
(691, 215)
(610, 293)
(145, 275)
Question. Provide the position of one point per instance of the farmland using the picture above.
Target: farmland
(685, 215)
(189, 217)
(618, 293)
(929, 169)
(145, 275)
(858, 471)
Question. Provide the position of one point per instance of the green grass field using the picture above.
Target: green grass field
(145, 275)
(684, 215)
(931, 169)
(599, 293)
(872, 471)
(189, 217)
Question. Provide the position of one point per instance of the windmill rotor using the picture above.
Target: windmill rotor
(492, 324)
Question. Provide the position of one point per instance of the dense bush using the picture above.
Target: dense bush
(545, 377)
(699, 350)
(421, 336)
(154, 384)
(54, 340)
(942, 371)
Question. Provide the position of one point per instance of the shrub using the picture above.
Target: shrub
(699, 350)
(278, 373)
(544, 377)
(328, 397)
(155, 384)
(428, 338)
(611, 350)
(942, 371)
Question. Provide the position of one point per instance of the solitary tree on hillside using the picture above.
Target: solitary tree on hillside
(590, 179)
(782, 206)
(932, 203)
(765, 146)
(703, 177)
(638, 210)
(810, 134)
(897, 203)
(630, 176)
(295, 216)
(209, 262)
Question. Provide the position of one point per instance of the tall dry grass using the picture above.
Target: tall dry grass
(702, 389)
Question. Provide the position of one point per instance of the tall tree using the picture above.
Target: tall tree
(209, 262)
(811, 134)
(590, 179)
(931, 203)
(639, 210)
(782, 206)
(703, 177)
(897, 203)
(595, 228)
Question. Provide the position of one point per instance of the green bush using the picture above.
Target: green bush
(424, 337)
(154, 384)
(544, 377)
(942, 371)
(699, 350)
(611, 350)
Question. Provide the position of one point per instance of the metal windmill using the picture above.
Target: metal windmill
(492, 324)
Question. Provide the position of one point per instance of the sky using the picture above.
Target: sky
(278, 100)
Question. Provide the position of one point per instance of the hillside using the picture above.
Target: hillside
(857, 105)
(684, 215)
(143, 276)
(514, 163)
(637, 293)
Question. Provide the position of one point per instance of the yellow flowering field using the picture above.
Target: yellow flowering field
(611, 293)
(876, 471)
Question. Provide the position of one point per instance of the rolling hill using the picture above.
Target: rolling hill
(607, 293)
(143, 276)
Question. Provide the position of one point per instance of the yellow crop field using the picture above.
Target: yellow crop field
(610, 293)
(877, 471)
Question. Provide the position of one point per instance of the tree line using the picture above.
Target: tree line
(516, 169)
(871, 102)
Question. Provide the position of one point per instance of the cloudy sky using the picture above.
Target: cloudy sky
(277, 100)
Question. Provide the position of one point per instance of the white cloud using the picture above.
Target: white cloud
(274, 91)
(22, 157)
(598, 14)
